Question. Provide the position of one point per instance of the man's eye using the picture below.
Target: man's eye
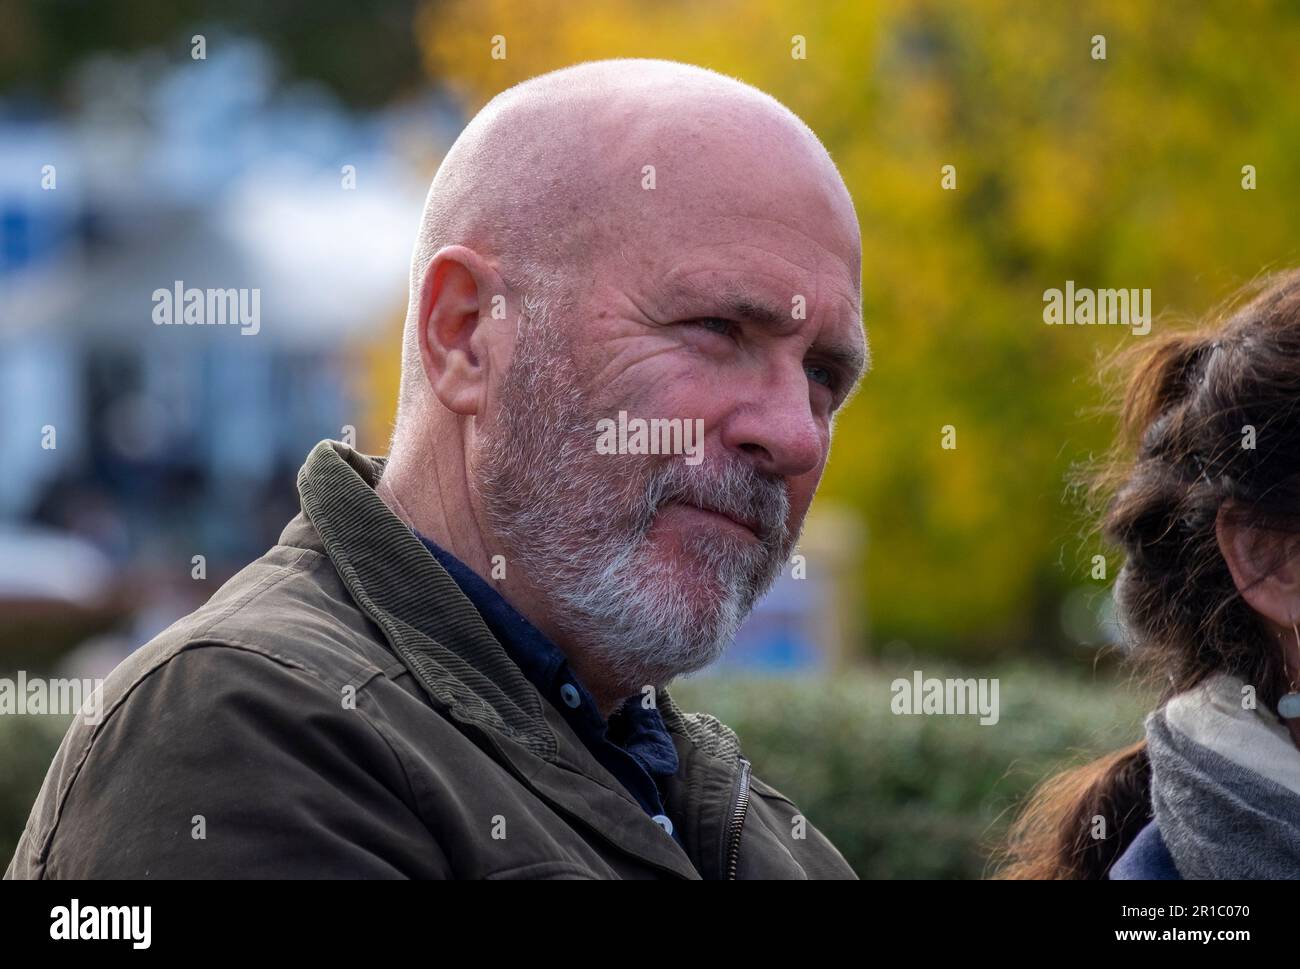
(714, 324)
(821, 375)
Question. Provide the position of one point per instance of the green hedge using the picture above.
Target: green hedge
(27, 745)
(901, 796)
(914, 796)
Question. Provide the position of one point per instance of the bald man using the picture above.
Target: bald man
(454, 663)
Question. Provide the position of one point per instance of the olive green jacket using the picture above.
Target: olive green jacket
(338, 709)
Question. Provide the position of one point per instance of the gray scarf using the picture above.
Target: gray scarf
(1218, 818)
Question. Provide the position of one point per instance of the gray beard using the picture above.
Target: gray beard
(576, 523)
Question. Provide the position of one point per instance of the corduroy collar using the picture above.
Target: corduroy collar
(430, 624)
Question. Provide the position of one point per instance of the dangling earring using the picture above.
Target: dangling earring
(1288, 708)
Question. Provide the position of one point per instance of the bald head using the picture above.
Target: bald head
(601, 160)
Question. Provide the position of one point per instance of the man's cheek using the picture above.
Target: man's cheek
(802, 490)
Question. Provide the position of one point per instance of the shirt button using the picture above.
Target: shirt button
(569, 694)
(664, 822)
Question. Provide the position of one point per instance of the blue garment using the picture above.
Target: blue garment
(1146, 858)
(635, 745)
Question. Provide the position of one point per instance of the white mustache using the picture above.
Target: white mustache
(739, 492)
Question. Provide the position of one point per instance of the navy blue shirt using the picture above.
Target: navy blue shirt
(634, 745)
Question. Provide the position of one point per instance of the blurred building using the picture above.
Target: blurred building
(174, 441)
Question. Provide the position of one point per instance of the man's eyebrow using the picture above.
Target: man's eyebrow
(732, 302)
(747, 308)
(852, 359)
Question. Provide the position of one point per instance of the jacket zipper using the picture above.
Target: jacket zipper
(738, 811)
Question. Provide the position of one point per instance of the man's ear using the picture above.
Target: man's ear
(1265, 566)
(457, 294)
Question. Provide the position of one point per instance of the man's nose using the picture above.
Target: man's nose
(775, 427)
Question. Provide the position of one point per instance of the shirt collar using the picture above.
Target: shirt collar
(641, 732)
